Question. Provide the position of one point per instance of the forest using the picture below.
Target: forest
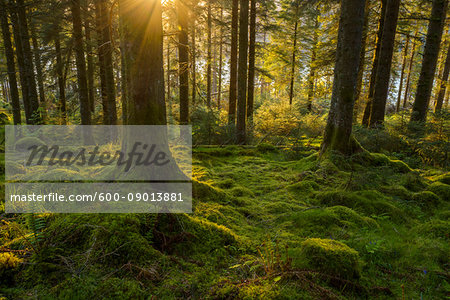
(320, 147)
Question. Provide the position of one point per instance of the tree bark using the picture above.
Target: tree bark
(106, 63)
(338, 130)
(373, 74)
(39, 73)
(402, 74)
(430, 57)
(362, 62)
(143, 34)
(194, 67)
(61, 81)
(23, 42)
(9, 54)
(209, 58)
(251, 62)
(242, 73)
(233, 63)
(380, 93)
(183, 62)
(312, 67)
(411, 61)
(89, 58)
(444, 83)
(219, 89)
(294, 51)
(80, 63)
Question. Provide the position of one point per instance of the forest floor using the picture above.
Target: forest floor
(267, 223)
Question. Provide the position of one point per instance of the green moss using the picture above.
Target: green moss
(436, 228)
(426, 199)
(304, 186)
(15, 168)
(204, 192)
(414, 182)
(264, 148)
(444, 178)
(331, 257)
(440, 189)
(24, 143)
(241, 191)
(226, 183)
(367, 202)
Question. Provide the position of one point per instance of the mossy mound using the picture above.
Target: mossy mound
(241, 191)
(202, 191)
(366, 202)
(435, 228)
(426, 199)
(264, 148)
(24, 143)
(324, 222)
(303, 186)
(331, 257)
(15, 168)
(444, 178)
(440, 189)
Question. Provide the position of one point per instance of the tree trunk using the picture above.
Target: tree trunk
(143, 35)
(39, 74)
(373, 74)
(219, 90)
(338, 130)
(27, 65)
(9, 54)
(242, 73)
(209, 58)
(194, 67)
(294, 50)
(411, 61)
(61, 81)
(251, 62)
(89, 58)
(381, 90)
(402, 74)
(312, 67)
(80, 63)
(183, 62)
(430, 57)
(233, 63)
(444, 83)
(362, 62)
(106, 63)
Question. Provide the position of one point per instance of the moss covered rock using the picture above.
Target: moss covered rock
(435, 228)
(26, 142)
(304, 186)
(331, 257)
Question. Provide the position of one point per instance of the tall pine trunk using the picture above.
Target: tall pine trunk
(373, 74)
(80, 63)
(402, 74)
(105, 63)
(338, 131)
(60, 79)
(251, 62)
(411, 63)
(429, 62)
(233, 63)
(9, 54)
(294, 51)
(143, 56)
(183, 61)
(89, 57)
(444, 83)
(39, 73)
(362, 63)
(242, 73)
(27, 64)
(209, 58)
(219, 89)
(380, 93)
(312, 67)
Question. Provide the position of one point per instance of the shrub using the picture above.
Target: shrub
(331, 257)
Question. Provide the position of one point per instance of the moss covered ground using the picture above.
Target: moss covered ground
(267, 223)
